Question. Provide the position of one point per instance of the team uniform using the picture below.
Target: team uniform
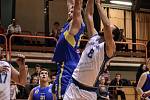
(42, 93)
(146, 86)
(5, 79)
(84, 76)
(67, 57)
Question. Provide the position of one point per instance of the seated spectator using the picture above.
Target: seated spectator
(115, 91)
(55, 30)
(13, 28)
(37, 70)
(143, 68)
(103, 89)
(55, 33)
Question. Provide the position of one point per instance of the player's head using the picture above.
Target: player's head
(44, 75)
(117, 35)
(70, 5)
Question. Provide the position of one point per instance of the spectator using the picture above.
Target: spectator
(55, 30)
(115, 91)
(143, 68)
(103, 89)
(37, 70)
(14, 28)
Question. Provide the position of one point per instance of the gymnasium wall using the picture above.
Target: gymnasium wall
(30, 13)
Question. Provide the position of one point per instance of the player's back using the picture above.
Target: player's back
(42, 93)
(5, 78)
(90, 62)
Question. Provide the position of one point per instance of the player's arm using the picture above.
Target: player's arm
(21, 76)
(77, 18)
(89, 17)
(110, 45)
(31, 95)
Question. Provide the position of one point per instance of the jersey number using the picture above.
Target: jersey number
(3, 77)
(90, 54)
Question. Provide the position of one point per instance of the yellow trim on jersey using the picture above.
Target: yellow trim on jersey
(80, 39)
(70, 39)
(59, 85)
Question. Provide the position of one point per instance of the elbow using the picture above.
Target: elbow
(107, 25)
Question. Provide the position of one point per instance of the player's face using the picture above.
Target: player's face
(44, 76)
(70, 12)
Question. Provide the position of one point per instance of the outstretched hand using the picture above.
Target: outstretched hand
(20, 60)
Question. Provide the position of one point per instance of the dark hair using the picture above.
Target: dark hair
(117, 35)
(38, 65)
(118, 74)
(56, 23)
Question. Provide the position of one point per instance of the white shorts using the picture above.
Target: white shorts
(73, 92)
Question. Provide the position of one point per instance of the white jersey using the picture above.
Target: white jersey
(5, 78)
(90, 62)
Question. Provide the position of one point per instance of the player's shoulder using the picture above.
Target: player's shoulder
(5, 63)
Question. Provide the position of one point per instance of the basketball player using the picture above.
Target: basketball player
(144, 82)
(96, 52)
(66, 52)
(44, 90)
(8, 73)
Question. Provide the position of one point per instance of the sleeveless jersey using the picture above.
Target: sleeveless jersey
(44, 93)
(90, 62)
(5, 79)
(146, 85)
(66, 56)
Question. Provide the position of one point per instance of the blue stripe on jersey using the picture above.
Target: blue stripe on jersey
(44, 93)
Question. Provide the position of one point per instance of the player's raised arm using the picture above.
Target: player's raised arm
(110, 45)
(76, 18)
(21, 76)
(89, 17)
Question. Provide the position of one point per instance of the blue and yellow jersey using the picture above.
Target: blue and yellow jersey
(66, 54)
(44, 93)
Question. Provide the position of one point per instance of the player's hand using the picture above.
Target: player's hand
(144, 95)
(4, 69)
(98, 1)
(20, 60)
